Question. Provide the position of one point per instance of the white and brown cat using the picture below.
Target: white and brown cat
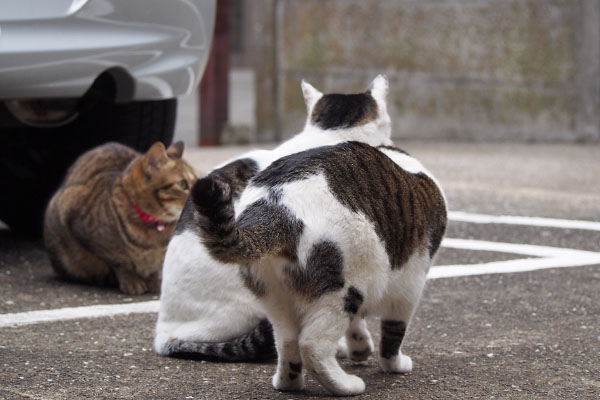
(206, 312)
(326, 236)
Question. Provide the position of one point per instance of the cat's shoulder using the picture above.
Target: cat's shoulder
(403, 159)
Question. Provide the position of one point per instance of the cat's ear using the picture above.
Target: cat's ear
(311, 95)
(176, 150)
(155, 157)
(380, 87)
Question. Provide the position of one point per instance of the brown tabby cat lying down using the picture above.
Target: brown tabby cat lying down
(111, 220)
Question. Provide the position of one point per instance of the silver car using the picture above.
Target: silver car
(78, 73)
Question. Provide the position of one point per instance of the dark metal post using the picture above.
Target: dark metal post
(214, 87)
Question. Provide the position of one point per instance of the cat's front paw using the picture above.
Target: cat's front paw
(291, 382)
(400, 364)
(153, 285)
(133, 286)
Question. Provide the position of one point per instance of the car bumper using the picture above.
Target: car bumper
(162, 45)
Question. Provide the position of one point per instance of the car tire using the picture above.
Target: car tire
(33, 161)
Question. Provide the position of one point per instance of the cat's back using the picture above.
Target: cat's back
(86, 186)
(109, 159)
(390, 188)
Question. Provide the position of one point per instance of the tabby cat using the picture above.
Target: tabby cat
(111, 220)
(206, 312)
(325, 236)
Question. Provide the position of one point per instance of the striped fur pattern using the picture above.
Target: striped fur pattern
(206, 302)
(330, 234)
(111, 220)
(257, 345)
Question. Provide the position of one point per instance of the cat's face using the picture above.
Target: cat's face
(161, 181)
(365, 111)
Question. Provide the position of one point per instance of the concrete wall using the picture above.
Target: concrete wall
(526, 70)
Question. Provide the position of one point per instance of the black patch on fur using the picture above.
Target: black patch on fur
(186, 220)
(407, 210)
(322, 273)
(353, 300)
(237, 174)
(361, 354)
(264, 227)
(292, 375)
(296, 367)
(211, 193)
(269, 228)
(392, 334)
(258, 345)
(338, 111)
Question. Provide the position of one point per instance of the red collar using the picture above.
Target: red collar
(145, 217)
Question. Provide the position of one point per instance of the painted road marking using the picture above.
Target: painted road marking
(545, 257)
(461, 216)
(61, 314)
(551, 257)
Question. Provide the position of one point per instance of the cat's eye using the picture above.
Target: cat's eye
(183, 184)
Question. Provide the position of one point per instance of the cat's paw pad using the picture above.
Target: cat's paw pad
(349, 386)
(209, 192)
(288, 383)
(400, 364)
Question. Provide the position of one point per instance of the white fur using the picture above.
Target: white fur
(201, 299)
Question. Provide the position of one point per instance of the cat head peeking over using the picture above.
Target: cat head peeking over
(360, 116)
(158, 182)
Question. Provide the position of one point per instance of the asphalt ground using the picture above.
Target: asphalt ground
(502, 335)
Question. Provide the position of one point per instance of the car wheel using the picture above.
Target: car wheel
(33, 160)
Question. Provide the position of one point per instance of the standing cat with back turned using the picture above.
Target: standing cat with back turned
(325, 236)
(199, 290)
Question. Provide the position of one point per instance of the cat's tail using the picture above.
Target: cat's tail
(255, 346)
(262, 229)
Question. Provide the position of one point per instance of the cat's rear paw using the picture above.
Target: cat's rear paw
(400, 364)
(133, 286)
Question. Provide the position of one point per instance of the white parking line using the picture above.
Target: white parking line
(461, 216)
(552, 257)
(61, 314)
(546, 257)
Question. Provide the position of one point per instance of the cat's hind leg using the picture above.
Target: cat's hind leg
(323, 325)
(407, 285)
(282, 316)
